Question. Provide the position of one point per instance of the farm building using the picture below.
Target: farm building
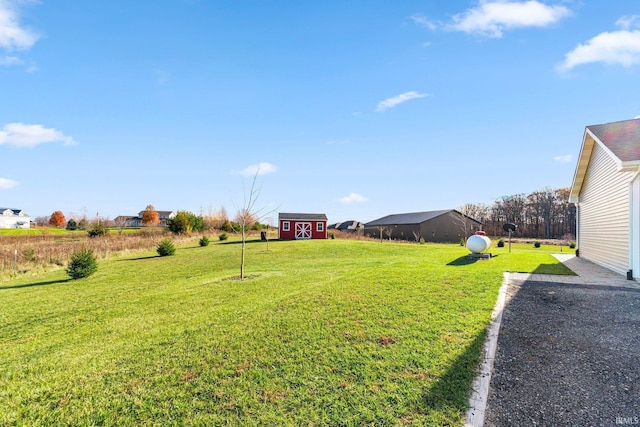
(350, 226)
(136, 221)
(606, 191)
(444, 226)
(295, 226)
(14, 218)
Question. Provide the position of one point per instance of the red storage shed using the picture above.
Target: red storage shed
(296, 226)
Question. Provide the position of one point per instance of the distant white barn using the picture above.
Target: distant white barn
(14, 218)
(606, 191)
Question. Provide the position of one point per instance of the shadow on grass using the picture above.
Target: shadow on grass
(465, 260)
(30, 285)
(139, 258)
(558, 269)
(451, 391)
(239, 242)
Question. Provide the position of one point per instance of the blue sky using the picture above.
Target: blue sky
(355, 109)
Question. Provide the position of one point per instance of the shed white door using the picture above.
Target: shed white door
(303, 230)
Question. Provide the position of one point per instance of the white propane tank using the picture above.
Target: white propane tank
(478, 243)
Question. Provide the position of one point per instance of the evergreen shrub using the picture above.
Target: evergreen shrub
(82, 264)
(166, 248)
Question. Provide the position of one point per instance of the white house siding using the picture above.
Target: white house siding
(604, 213)
(10, 220)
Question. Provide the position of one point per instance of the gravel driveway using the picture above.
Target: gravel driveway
(568, 353)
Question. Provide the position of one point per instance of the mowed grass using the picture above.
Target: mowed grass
(324, 332)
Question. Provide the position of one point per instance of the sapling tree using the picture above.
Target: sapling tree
(248, 214)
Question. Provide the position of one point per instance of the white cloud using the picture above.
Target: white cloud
(6, 183)
(11, 60)
(568, 158)
(262, 168)
(352, 198)
(340, 142)
(398, 99)
(23, 135)
(620, 47)
(423, 21)
(492, 17)
(13, 36)
(628, 22)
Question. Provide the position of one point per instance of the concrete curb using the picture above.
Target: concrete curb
(480, 387)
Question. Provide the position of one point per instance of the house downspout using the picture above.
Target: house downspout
(577, 229)
(633, 230)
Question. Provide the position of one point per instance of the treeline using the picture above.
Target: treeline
(544, 214)
(184, 222)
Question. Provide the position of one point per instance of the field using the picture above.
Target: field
(323, 332)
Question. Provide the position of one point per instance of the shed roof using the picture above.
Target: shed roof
(620, 139)
(302, 216)
(411, 218)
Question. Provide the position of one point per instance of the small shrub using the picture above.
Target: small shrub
(72, 224)
(333, 236)
(223, 236)
(98, 230)
(30, 255)
(82, 264)
(500, 243)
(204, 241)
(166, 248)
(572, 245)
(462, 242)
(536, 244)
(422, 240)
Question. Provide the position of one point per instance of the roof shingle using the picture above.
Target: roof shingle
(622, 138)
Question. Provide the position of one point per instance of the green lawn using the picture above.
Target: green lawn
(324, 332)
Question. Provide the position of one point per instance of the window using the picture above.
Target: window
(285, 225)
(319, 226)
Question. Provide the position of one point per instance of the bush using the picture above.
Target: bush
(500, 243)
(536, 244)
(185, 222)
(422, 240)
(166, 248)
(333, 236)
(82, 264)
(223, 236)
(72, 224)
(572, 245)
(204, 241)
(98, 230)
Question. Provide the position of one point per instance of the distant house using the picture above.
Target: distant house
(136, 221)
(126, 221)
(302, 226)
(350, 226)
(606, 191)
(14, 218)
(443, 226)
